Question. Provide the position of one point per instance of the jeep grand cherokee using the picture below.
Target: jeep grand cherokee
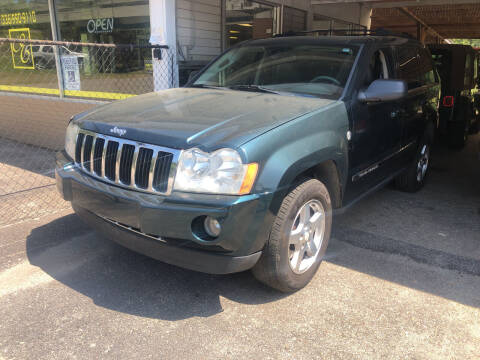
(243, 167)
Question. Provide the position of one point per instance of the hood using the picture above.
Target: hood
(192, 117)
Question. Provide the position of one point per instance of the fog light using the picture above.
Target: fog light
(212, 226)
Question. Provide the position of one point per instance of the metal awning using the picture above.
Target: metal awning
(428, 20)
(450, 21)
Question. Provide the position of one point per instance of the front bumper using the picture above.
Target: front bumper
(246, 221)
(187, 258)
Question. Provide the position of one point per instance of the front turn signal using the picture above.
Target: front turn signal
(249, 179)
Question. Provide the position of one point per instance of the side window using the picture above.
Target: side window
(475, 69)
(427, 74)
(443, 62)
(379, 67)
(409, 66)
(238, 67)
(468, 70)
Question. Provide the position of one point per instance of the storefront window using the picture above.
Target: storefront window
(115, 21)
(16, 15)
(247, 20)
(108, 22)
(19, 62)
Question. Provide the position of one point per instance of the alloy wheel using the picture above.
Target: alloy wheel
(306, 236)
(423, 163)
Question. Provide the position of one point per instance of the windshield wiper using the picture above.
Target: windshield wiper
(203, 86)
(255, 88)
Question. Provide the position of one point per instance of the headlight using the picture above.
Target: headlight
(220, 172)
(71, 139)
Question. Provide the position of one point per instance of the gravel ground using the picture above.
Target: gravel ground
(400, 281)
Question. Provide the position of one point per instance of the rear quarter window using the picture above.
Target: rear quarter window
(469, 72)
(408, 65)
(415, 66)
(427, 73)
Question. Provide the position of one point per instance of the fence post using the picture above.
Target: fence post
(163, 32)
(55, 37)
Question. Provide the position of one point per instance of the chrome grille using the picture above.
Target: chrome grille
(127, 163)
(144, 161)
(98, 156)
(110, 159)
(86, 152)
(162, 164)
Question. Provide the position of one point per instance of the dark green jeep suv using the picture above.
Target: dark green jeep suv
(243, 168)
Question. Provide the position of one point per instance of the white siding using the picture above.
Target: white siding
(199, 28)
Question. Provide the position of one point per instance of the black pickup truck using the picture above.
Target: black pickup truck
(244, 167)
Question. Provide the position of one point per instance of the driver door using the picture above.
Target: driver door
(376, 129)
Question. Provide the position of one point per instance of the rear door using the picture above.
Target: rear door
(415, 67)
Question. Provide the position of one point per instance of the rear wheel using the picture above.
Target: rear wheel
(475, 126)
(298, 239)
(458, 130)
(413, 179)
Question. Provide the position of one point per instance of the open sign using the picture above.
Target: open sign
(96, 26)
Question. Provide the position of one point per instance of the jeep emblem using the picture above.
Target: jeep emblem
(119, 132)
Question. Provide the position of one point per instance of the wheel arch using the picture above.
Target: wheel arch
(328, 171)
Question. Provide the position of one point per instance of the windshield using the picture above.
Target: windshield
(305, 70)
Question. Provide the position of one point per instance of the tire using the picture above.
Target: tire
(277, 266)
(458, 130)
(475, 128)
(413, 179)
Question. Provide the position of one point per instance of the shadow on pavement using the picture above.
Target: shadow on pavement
(389, 223)
(35, 159)
(406, 271)
(121, 280)
(438, 226)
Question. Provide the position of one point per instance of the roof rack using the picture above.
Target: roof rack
(347, 32)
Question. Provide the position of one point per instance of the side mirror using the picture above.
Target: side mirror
(384, 90)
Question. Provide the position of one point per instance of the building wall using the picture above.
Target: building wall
(298, 4)
(199, 26)
(356, 13)
(199, 29)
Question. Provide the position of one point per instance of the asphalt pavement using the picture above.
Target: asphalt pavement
(401, 280)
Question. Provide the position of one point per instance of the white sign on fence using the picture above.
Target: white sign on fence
(71, 72)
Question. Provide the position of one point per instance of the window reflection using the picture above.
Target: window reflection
(31, 14)
(247, 20)
(112, 21)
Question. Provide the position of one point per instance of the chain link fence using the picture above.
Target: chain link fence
(44, 83)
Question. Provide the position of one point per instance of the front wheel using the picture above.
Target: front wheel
(298, 239)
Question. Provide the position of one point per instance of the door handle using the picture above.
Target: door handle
(394, 114)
